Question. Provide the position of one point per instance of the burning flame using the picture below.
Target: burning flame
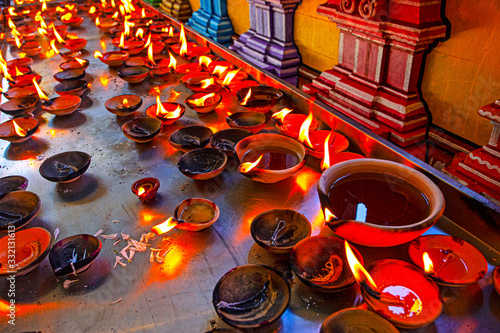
(115, 15)
(59, 9)
(11, 11)
(183, 41)
(97, 54)
(171, 32)
(207, 83)
(150, 55)
(39, 91)
(326, 159)
(18, 72)
(204, 61)
(219, 70)
(141, 191)
(125, 103)
(6, 72)
(44, 6)
(69, 7)
(360, 273)
(66, 17)
(11, 24)
(247, 166)
(42, 31)
(81, 61)
(173, 62)
(139, 33)
(329, 215)
(103, 45)
(97, 22)
(428, 265)
(173, 95)
(14, 32)
(164, 227)
(104, 81)
(58, 37)
(304, 131)
(201, 101)
(247, 97)
(18, 42)
(148, 41)
(19, 131)
(122, 41)
(113, 4)
(143, 13)
(92, 10)
(229, 77)
(53, 46)
(280, 116)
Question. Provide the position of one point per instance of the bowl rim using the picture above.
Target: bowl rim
(189, 201)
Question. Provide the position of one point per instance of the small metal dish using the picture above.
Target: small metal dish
(261, 98)
(74, 254)
(202, 163)
(133, 74)
(18, 208)
(356, 321)
(252, 121)
(29, 91)
(190, 137)
(142, 129)
(65, 167)
(62, 106)
(203, 102)
(117, 105)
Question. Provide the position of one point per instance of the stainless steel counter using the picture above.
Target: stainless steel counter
(176, 295)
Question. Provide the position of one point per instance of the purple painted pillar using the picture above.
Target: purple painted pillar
(269, 41)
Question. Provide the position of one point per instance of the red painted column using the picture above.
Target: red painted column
(381, 48)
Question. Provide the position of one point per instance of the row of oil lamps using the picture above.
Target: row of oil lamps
(400, 292)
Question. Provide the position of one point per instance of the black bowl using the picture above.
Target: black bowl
(262, 98)
(70, 74)
(189, 138)
(12, 183)
(74, 254)
(17, 106)
(202, 163)
(72, 87)
(226, 139)
(142, 129)
(18, 208)
(65, 167)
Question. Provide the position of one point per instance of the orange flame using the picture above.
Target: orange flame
(360, 273)
(281, 115)
(207, 83)
(53, 46)
(125, 103)
(12, 12)
(66, 17)
(39, 91)
(69, 7)
(304, 131)
(219, 70)
(140, 33)
(97, 22)
(204, 61)
(19, 131)
(164, 227)
(122, 41)
(148, 41)
(44, 6)
(103, 45)
(92, 10)
(201, 101)
(247, 97)
(42, 31)
(326, 159)
(141, 191)
(6, 72)
(428, 264)
(58, 37)
(150, 55)
(171, 32)
(59, 9)
(229, 77)
(143, 13)
(11, 24)
(104, 80)
(329, 215)
(97, 54)
(183, 41)
(115, 15)
(173, 62)
(15, 32)
(18, 72)
(173, 95)
(18, 42)
(81, 61)
(247, 166)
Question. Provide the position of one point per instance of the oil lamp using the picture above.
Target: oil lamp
(398, 291)
(167, 112)
(137, 61)
(146, 188)
(219, 67)
(72, 87)
(112, 59)
(20, 62)
(236, 86)
(106, 24)
(289, 124)
(200, 82)
(356, 320)
(65, 167)
(190, 137)
(252, 121)
(196, 214)
(13, 183)
(315, 141)
(133, 47)
(197, 51)
(204, 103)
(24, 80)
(18, 208)
(259, 99)
(58, 106)
(32, 49)
(269, 157)
(70, 74)
(32, 246)
(205, 60)
(232, 76)
(202, 163)
(123, 105)
(18, 130)
(19, 105)
(142, 129)
(72, 20)
(133, 75)
(74, 254)
(159, 65)
(75, 63)
(448, 260)
(226, 139)
(76, 44)
(18, 71)
(188, 68)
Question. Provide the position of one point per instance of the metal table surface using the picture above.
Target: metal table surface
(174, 296)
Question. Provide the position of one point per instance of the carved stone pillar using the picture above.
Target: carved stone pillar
(269, 41)
(212, 21)
(178, 9)
(381, 48)
(480, 169)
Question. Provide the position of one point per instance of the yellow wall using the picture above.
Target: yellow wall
(461, 75)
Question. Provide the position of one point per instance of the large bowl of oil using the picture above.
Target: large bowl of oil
(378, 203)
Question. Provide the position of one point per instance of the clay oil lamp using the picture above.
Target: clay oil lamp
(233, 76)
(18, 208)
(72, 87)
(106, 24)
(17, 106)
(75, 63)
(123, 105)
(226, 139)
(398, 291)
(262, 301)
(58, 106)
(113, 58)
(146, 188)
(116, 32)
(72, 21)
(70, 55)
(133, 47)
(58, 32)
(159, 65)
(320, 262)
(157, 46)
(316, 141)
(394, 203)
(205, 60)
(76, 44)
(203, 102)
(197, 51)
(190, 137)
(192, 67)
(289, 124)
(137, 61)
(24, 80)
(334, 158)
(167, 112)
(259, 99)
(180, 50)
(219, 67)
(496, 279)
(448, 260)
(70, 74)
(92, 12)
(269, 157)
(252, 121)
(65, 167)
(356, 321)
(18, 130)
(18, 71)
(13, 183)
(32, 49)
(279, 230)
(196, 214)
(202, 163)
(32, 246)
(236, 86)
(74, 255)
(20, 62)
(200, 82)
(142, 129)
(133, 75)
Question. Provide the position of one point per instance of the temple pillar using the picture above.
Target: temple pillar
(212, 21)
(178, 9)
